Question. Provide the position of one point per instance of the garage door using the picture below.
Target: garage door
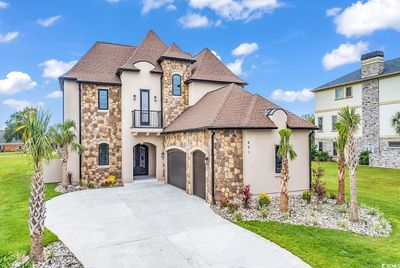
(177, 168)
(199, 174)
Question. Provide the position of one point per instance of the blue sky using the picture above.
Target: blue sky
(287, 47)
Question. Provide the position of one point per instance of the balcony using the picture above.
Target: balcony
(145, 119)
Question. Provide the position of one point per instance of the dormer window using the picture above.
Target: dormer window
(176, 85)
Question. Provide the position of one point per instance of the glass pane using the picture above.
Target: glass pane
(349, 92)
(176, 85)
(144, 106)
(103, 99)
(339, 93)
(103, 154)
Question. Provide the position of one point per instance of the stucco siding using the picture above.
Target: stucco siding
(197, 89)
(325, 99)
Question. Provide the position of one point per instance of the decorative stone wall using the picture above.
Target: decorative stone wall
(372, 67)
(100, 126)
(386, 157)
(174, 105)
(327, 145)
(370, 114)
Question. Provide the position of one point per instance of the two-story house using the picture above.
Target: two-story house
(374, 91)
(154, 110)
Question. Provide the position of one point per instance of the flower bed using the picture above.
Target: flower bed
(319, 214)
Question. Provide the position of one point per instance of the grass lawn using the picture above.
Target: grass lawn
(15, 174)
(331, 248)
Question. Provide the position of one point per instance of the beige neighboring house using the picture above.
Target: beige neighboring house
(374, 90)
(154, 110)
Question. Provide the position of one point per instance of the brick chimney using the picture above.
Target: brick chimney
(372, 64)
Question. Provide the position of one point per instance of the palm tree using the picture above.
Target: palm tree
(341, 146)
(350, 121)
(285, 149)
(38, 145)
(396, 122)
(65, 139)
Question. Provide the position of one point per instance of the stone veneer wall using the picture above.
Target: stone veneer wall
(174, 105)
(98, 126)
(370, 114)
(327, 145)
(228, 159)
(386, 157)
(372, 68)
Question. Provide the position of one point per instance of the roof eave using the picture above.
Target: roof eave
(218, 81)
(214, 128)
(175, 58)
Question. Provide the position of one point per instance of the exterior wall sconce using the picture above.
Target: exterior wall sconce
(162, 155)
(155, 98)
(134, 97)
(206, 161)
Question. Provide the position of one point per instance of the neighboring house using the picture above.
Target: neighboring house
(13, 146)
(154, 110)
(374, 90)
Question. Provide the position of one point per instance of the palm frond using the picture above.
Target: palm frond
(285, 147)
(396, 122)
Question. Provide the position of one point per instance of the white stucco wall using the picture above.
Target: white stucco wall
(197, 89)
(325, 99)
(389, 100)
(71, 111)
(52, 171)
(132, 82)
(259, 159)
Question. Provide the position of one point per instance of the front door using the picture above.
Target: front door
(140, 160)
(144, 107)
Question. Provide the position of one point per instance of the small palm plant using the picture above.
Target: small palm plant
(396, 122)
(285, 152)
(349, 120)
(38, 145)
(65, 140)
(341, 146)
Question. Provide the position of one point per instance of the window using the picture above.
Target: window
(320, 148)
(176, 85)
(394, 144)
(349, 92)
(103, 99)
(278, 160)
(320, 123)
(334, 121)
(339, 94)
(103, 154)
(334, 150)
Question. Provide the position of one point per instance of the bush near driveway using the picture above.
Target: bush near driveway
(377, 187)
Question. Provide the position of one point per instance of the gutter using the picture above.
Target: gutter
(212, 169)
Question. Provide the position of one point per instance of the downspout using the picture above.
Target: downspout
(212, 169)
(309, 159)
(80, 130)
(162, 104)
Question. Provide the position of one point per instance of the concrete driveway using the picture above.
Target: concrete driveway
(149, 224)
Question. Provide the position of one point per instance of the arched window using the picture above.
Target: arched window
(176, 85)
(103, 154)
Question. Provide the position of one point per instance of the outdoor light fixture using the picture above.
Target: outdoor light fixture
(206, 161)
(155, 98)
(134, 97)
(162, 155)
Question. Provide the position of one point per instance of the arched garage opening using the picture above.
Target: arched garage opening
(199, 174)
(176, 169)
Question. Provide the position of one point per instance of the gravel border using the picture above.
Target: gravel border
(74, 188)
(318, 214)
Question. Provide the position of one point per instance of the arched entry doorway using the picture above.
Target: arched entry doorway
(140, 160)
(199, 174)
(177, 168)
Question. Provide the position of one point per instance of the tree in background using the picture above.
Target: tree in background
(310, 118)
(285, 150)
(16, 120)
(38, 144)
(341, 146)
(396, 122)
(349, 120)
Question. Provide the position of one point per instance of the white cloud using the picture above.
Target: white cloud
(216, 54)
(332, 12)
(16, 82)
(54, 95)
(17, 104)
(3, 5)
(54, 68)
(194, 20)
(49, 21)
(112, 1)
(171, 7)
(245, 49)
(291, 95)
(237, 10)
(362, 19)
(8, 37)
(236, 66)
(344, 54)
(149, 5)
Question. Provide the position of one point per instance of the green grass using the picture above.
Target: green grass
(15, 174)
(377, 187)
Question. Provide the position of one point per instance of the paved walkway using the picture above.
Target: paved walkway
(149, 224)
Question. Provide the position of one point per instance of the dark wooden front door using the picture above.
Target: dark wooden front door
(199, 174)
(177, 168)
(140, 160)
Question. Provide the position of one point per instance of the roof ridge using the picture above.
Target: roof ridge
(117, 44)
(251, 108)
(229, 90)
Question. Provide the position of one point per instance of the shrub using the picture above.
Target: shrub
(263, 200)
(246, 196)
(69, 177)
(342, 224)
(109, 181)
(232, 207)
(318, 186)
(223, 203)
(363, 158)
(322, 156)
(332, 195)
(263, 212)
(238, 215)
(306, 195)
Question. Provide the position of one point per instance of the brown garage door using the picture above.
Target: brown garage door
(177, 168)
(199, 174)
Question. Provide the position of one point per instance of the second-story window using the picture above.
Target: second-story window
(343, 93)
(320, 123)
(349, 92)
(103, 99)
(339, 94)
(176, 85)
(334, 121)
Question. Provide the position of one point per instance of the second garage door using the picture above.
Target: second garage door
(177, 168)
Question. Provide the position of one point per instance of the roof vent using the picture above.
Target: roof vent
(371, 55)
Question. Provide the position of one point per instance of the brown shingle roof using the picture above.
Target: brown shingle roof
(174, 52)
(149, 50)
(209, 68)
(100, 63)
(230, 107)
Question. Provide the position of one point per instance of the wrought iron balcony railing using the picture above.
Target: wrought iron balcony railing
(146, 119)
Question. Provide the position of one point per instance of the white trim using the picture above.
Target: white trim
(174, 147)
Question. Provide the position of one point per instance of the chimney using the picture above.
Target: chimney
(372, 64)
